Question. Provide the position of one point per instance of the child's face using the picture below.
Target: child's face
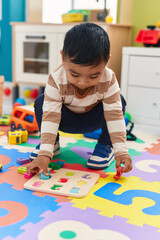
(83, 76)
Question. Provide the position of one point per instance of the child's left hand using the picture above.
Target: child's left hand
(126, 160)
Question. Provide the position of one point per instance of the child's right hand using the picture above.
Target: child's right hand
(41, 162)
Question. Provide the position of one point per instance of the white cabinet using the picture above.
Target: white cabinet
(140, 85)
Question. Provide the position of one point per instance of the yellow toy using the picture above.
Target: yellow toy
(21, 170)
(0, 167)
(17, 136)
(109, 19)
(72, 17)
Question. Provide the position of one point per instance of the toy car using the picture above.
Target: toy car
(5, 119)
(0, 167)
(23, 117)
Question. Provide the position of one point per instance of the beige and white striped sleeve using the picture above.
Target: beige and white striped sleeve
(51, 117)
(114, 118)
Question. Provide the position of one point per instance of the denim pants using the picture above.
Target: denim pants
(80, 122)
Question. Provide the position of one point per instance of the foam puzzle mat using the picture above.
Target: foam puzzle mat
(127, 209)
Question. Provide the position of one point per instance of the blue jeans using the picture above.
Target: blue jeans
(80, 122)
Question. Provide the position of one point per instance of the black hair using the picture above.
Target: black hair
(87, 44)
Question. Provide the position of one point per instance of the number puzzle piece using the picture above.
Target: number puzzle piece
(74, 190)
(70, 229)
(37, 184)
(69, 173)
(56, 187)
(119, 173)
(28, 176)
(44, 177)
(126, 198)
(54, 166)
(21, 170)
(63, 180)
(81, 182)
(23, 160)
(87, 176)
(60, 163)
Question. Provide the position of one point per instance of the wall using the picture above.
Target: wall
(145, 12)
(12, 11)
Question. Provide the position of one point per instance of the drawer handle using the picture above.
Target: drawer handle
(35, 37)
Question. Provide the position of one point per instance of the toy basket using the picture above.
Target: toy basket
(72, 17)
(1, 94)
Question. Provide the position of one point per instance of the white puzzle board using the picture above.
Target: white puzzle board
(65, 182)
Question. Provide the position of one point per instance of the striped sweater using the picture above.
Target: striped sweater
(58, 90)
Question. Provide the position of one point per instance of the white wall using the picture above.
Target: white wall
(53, 9)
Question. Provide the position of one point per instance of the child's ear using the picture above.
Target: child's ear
(61, 52)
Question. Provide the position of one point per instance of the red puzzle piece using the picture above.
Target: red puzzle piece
(119, 173)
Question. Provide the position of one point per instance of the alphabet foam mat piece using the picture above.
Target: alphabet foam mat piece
(65, 182)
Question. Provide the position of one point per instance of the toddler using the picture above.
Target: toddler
(81, 96)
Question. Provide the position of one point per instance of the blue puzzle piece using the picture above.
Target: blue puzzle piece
(44, 177)
(13, 154)
(36, 206)
(107, 192)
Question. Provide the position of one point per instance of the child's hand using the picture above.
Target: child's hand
(126, 160)
(41, 162)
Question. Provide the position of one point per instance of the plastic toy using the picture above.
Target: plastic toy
(76, 16)
(108, 19)
(23, 161)
(150, 37)
(56, 165)
(129, 126)
(16, 104)
(5, 119)
(7, 91)
(34, 93)
(94, 134)
(17, 136)
(20, 100)
(24, 117)
(44, 177)
(119, 173)
(61, 163)
(21, 170)
(28, 176)
(27, 92)
(0, 167)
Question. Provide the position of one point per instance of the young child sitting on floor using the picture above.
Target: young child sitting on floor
(81, 96)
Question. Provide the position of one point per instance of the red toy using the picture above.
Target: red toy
(150, 37)
(119, 173)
